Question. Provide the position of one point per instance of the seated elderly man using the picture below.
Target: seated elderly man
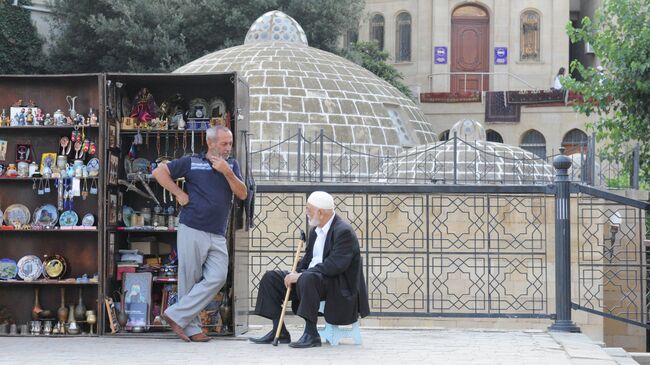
(330, 271)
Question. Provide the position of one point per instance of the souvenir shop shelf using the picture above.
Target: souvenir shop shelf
(51, 177)
(154, 119)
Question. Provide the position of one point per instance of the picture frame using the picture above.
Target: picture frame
(112, 135)
(110, 265)
(112, 314)
(47, 159)
(137, 299)
(120, 203)
(113, 166)
(112, 209)
(3, 150)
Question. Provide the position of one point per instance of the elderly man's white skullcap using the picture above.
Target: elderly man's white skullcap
(321, 200)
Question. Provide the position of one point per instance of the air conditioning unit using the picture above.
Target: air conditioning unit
(588, 48)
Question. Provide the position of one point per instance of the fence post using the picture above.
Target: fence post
(634, 176)
(591, 154)
(321, 155)
(299, 153)
(455, 158)
(563, 321)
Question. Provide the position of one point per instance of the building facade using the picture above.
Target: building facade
(450, 47)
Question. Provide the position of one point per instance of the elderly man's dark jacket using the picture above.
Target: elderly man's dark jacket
(347, 297)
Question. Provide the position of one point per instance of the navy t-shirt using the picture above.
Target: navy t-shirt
(209, 191)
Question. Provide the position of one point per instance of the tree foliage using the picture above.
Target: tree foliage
(620, 95)
(369, 56)
(20, 46)
(148, 36)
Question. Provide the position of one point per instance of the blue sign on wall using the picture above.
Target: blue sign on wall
(500, 55)
(440, 55)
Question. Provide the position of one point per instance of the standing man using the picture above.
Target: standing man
(211, 179)
(330, 271)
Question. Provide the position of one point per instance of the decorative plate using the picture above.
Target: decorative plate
(30, 268)
(1, 218)
(17, 213)
(8, 269)
(68, 218)
(141, 165)
(127, 212)
(46, 215)
(93, 166)
(54, 267)
(88, 220)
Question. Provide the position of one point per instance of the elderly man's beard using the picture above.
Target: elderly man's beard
(313, 221)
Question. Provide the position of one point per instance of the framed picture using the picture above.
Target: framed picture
(113, 169)
(120, 202)
(137, 298)
(112, 129)
(110, 265)
(112, 209)
(47, 159)
(3, 150)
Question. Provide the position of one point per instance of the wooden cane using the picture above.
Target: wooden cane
(286, 296)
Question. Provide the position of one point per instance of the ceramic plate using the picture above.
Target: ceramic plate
(88, 220)
(141, 165)
(54, 267)
(46, 215)
(93, 166)
(68, 218)
(17, 213)
(30, 267)
(1, 218)
(127, 212)
(8, 269)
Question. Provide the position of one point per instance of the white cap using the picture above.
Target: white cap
(321, 200)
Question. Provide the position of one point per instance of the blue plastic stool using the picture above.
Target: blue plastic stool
(333, 333)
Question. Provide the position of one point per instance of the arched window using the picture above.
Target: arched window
(403, 39)
(377, 30)
(493, 136)
(533, 141)
(529, 37)
(444, 136)
(351, 36)
(575, 141)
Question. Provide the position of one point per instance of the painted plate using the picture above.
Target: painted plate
(46, 215)
(93, 167)
(68, 218)
(1, 218)
(17, 213)
(54, 267)
(141, 165)
(30, 267)
(88, 220)
(8, 269)
(127, 212)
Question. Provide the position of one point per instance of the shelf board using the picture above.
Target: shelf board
(45, 127)
(147, 230)
(158, 280)
(162, 131)
(5, 178)
(49, 336)
(44, 282)
(85, 230)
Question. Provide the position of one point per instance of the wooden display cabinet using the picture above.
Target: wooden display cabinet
(82, 249)
(172, 144)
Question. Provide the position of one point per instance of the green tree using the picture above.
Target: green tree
(148, 36)
(369, 56)
(20, 47)
(619, 96)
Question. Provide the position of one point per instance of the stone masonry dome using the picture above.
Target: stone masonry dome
(276, 26)
(296, 87)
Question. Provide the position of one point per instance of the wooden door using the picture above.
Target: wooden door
(469, 49)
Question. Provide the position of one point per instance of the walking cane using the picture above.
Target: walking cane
(303, 238)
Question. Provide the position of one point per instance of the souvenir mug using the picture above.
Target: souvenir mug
(3, 168)
(61, 161)
(23, 169)
(59, 117)
(33, 168)
(78, 167)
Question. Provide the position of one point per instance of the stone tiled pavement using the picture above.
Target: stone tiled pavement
(380, 346)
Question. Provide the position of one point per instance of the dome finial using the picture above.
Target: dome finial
(276, 26)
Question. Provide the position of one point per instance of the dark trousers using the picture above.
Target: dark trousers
(308, 292)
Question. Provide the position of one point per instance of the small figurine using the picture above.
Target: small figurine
(59, 118)
(144, 107)
(39, 117)
(3, 119)
(29, 117)
(92, 118)
(48, 119)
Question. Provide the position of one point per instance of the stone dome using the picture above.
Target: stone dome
(467, 159)
(296, 87)
(276, 26)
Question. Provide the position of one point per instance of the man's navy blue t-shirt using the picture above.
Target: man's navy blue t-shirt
(209, 191)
